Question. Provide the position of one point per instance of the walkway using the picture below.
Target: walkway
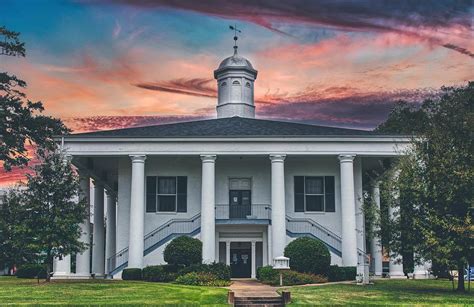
(252, 288)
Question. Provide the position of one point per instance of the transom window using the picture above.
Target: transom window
(314, 194)
(235, 82)
(166, 194)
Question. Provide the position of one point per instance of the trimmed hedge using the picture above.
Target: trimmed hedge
(337, 273)
(31, 270)
(308, 255)
(220, 270)
(183, 250)
(201, 279)
(268, 275)
(161, 273)
(132, 274)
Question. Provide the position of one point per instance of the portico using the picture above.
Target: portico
(245, 187)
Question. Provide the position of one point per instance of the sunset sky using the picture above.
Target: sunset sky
(107, 64)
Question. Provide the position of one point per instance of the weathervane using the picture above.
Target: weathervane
(234, 28)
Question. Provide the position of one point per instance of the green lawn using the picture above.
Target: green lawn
(394, 292)
(27, 291)
(383, 292)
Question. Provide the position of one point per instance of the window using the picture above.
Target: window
(247, 84)
(235, 82)
(314, 194)
(224, 83)
(166, 194)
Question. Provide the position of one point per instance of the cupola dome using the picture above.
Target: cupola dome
(235, 81)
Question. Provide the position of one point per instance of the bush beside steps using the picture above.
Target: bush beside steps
(31, 270)
(214, 274)
(268, 275)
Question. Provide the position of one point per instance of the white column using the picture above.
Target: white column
(137, 212)
(270, 246)
(396, 263)
(62, 268)
(421, 270)
(217, 246)
(349, 234)
(208, 227)
(110, 229)
(375, 243)
(254, 260)
(278, 205)
(265, 249)
(83, 260)
(227, 252)
(98, 248)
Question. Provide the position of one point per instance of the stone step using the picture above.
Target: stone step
(258, 301)
(259, 305)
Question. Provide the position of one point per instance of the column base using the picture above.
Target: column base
(82, 276)
(397, 276)
(378, 274)
(57, 276)
(421, 275)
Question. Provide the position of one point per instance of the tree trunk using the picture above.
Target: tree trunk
(48, 268)
(461, 279)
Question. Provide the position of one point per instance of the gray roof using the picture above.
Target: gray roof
(228, 127)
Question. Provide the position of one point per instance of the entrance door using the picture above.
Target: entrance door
(240, 263)
(240, 204)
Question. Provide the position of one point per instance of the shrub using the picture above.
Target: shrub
(308, 255)
(183, 251)
(201, 279)
(161, 273)
(267, 273)
(32, 270)
(220, 270)
(337, 273)
(270, 276)
(132, 274)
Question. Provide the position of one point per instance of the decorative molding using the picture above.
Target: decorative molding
(208, 158)
(277, 157)
(346, 158)
(138, 158)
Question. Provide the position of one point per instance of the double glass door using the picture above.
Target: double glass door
(240, 204)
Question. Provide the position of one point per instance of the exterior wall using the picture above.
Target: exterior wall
(175, 166)
(314, 166)
(256, 168)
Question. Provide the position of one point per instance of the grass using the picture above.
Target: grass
(100, 292)
(383, 292)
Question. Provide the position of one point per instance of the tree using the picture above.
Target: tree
(21, 121)
(13, 244)
(434, 184)
(51, 210)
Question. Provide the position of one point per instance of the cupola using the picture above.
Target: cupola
(235, 82)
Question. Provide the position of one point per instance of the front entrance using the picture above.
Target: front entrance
(240, 204)
(241, 259)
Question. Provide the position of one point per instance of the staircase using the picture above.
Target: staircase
(259, 301)
(306, 227)
(156, 238)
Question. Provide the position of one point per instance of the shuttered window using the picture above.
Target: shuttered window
(314, 194)
(166, 194)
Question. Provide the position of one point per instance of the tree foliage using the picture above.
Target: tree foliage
(49, 213)
(21, 121)
(433, 188)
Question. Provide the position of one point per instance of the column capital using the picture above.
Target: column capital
(277, 157)
(208, 158)
(138, 158)
(346, 158)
